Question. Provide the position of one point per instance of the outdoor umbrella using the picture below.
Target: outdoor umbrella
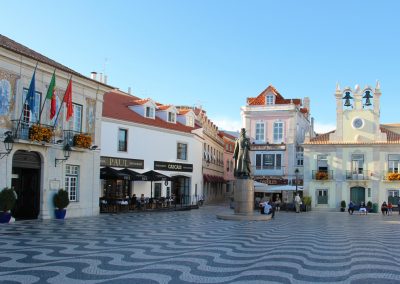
(110, 173)
(133, 176)
(155, 176)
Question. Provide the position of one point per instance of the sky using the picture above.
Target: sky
(216, 53)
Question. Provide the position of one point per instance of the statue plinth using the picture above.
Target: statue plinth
(244, 197)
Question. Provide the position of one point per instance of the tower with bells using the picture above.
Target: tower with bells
(358, 115)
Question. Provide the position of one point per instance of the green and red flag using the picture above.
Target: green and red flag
(51, 95)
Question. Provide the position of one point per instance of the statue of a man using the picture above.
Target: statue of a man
(242, 155)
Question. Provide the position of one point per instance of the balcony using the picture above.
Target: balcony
(32, 131)
(77, 139)
(391, 176)
(357, 175)
(322, 175)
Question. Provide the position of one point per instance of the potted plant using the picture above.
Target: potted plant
(343, 206)
(61, 201)
(307, 203)
(369, 206)
(8, 197)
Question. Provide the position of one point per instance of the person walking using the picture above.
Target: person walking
(297, 203)
(351, 208)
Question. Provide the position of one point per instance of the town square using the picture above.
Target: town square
(199, 141)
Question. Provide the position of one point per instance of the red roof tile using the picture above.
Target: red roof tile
(279, 99)
(391, 136)
(116, 105)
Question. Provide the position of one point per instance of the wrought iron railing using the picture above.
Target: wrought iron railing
(357, 175)
(77, 138)
(33, 131)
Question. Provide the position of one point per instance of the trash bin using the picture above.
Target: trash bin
(375, 208)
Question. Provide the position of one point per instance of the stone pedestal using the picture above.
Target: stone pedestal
(244, 197)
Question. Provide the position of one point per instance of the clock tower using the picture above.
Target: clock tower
(358, 115)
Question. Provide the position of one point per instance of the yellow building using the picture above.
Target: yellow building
(358, 161)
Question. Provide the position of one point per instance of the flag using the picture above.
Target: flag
(31, 96)
(68, 100)
(51, 95)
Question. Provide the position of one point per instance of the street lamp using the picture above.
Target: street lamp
(8, 144)
(67, 152)
(296, 172)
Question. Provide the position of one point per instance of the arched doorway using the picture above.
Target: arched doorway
(26, 183)
(357, 194)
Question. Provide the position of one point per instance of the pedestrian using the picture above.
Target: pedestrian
(384, 208)
(297, 203)
(362, 208)
(278, 203)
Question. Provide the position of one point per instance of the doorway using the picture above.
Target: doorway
(181, 190)
(357, 194)
(26, 183)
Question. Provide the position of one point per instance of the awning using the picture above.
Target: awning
(263, 187)
(133, 175)
(110, 173)
(155, 176)
(212, 178)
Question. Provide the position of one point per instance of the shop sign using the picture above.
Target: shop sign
(271, 181)
(268, 147)
(121, 163)
(175, 167)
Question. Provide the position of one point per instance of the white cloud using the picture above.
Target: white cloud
(227, 124)
(323, 128)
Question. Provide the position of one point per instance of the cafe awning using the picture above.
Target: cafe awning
(133, 175)
(110, 173)
(212, 178)
(155, 176)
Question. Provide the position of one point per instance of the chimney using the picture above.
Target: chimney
(105, 79)
(129, 90)
(93, 75)
(101, 78)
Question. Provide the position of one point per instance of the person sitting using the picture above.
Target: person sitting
(390, 208)
(363, 209)
(384, 208)
(351, 208)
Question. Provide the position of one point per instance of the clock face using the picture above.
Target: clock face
(358, 123)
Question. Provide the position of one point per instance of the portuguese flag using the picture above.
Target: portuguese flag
(51, 95)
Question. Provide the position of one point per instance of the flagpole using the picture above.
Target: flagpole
(45, 99)
(55, 121)
(23, 106)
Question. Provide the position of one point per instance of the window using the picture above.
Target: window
(393, 196)
(299, 156)
(157, 190)
(269, 161)
(357, 163)
(260, 131)
(150, 112)
(322, 163)
(394, 161)
(171, 117)
(122, 140)
(75, 122)
(182, 151)
(190, 121)
(278, 132)
(270, 100)
(72, 181)
(28, 115)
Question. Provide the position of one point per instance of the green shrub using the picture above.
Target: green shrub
(8, 197)
(343, 204)
(307, 200)
(369, 204)
(61, 199)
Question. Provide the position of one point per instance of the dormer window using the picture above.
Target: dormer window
(171, 117)
(270, 100)
(150, 112)
(190, 121)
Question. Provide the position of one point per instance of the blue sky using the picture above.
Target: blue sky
(217, 53)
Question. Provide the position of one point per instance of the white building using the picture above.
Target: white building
(358, 161)
(142, 135)
(276, 127)
(37, 167)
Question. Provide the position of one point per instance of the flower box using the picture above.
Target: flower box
(82, 140)
(321, 176)
(393, 176)
(40, 133)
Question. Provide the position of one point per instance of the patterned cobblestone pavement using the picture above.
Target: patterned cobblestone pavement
(196, 247)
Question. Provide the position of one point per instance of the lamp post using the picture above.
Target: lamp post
(67, 152)
(296, 172)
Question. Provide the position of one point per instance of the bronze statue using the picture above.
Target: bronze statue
(242, 155)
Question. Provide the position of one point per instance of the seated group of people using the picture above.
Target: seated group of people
(386, 208)
(362, 208)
